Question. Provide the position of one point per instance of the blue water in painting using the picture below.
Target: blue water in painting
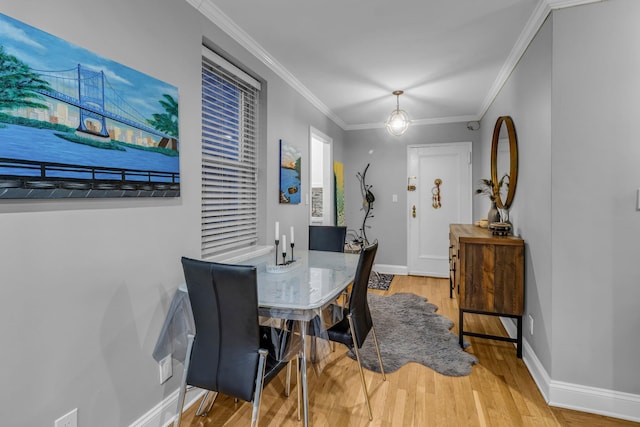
(26, 143)
(289, 178)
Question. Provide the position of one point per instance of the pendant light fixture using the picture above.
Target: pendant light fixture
(398, 121)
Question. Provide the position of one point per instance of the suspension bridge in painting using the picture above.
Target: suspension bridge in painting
(96, 98)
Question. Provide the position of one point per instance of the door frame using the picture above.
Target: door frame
(469, 213)
(328, 205)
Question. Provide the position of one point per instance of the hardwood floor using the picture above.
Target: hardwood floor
(499, 391)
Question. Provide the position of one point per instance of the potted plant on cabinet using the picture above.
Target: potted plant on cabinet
(491, 190)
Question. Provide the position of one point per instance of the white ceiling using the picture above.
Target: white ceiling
(346, 56)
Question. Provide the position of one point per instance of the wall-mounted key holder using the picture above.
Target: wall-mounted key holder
(411, 186)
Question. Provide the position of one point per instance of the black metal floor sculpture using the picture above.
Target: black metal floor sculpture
(367, 204)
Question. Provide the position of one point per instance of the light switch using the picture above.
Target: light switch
(394, 198)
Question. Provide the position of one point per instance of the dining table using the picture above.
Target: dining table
(298, 291)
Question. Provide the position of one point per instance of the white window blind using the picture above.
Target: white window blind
(229, 156)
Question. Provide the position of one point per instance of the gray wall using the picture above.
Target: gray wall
(87, 283)
(595, 174)
(573, 97)
(387, 156)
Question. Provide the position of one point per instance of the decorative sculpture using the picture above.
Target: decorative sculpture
(367, 204)
(435, 191)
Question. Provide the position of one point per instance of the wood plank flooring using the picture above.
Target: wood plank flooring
(499, 391)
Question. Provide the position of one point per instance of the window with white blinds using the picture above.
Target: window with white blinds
(229, 156)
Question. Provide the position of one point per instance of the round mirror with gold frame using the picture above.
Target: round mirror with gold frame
(512, 181)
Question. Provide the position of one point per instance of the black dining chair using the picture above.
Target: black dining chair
(230, 351)
(327, 238)
(353, 329)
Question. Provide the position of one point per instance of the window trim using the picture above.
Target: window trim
(229, 67)
(229, 165)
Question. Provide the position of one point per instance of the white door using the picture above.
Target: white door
(322, 198)
(428, 225)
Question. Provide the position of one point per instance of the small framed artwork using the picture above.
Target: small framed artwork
(290, 183)
(338, 176)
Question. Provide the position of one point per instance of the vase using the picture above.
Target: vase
(494, 214)
(504, 216)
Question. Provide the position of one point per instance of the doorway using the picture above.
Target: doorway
(441, 175)
(321, 183)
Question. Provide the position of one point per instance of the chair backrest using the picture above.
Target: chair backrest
(358, 305)
(224, 301)
(327, 238)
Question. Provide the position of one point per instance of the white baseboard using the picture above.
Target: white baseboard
(401, 270)
(537, 371)
(595, 400)
(578, 397)
(163, 414)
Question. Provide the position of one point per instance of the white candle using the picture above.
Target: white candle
(292, 234)
(284, 243)
(277, 229)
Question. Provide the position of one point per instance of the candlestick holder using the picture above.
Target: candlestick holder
(277, 244)
(284, 255)
(291, 252)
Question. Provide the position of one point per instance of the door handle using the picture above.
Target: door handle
(413, 211)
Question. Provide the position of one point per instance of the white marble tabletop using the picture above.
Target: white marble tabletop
(315, 279)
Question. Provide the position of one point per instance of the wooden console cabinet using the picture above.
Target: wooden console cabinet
(487, 277)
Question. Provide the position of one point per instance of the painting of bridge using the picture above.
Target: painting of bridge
(76, 124)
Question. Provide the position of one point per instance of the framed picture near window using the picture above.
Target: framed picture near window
(338, 176)
(74, 124)
(290, 183)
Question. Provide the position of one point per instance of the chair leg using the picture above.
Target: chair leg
(299, 386)
(287, 388)
(364, 384)
(200, 412)
(207, 403)
(211, 402)
(257, 394)
(183, 385)
(375, 341)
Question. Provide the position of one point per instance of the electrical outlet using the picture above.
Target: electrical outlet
(166, 369)
(531, 324)
(68, 420)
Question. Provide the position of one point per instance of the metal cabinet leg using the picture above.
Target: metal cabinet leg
(460, 328)
(519, 337)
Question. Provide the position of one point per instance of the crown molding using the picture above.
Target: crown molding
(215, 15)
(537, 18)
(561, 4)
(194, 3)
